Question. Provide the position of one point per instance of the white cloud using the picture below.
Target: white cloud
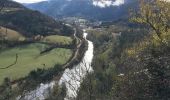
(28, 1)
(107, 3)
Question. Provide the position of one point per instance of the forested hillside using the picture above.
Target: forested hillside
(133, 64)
(16, 17)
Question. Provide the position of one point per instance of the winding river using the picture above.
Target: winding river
(72, 78)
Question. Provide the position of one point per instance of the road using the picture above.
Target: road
(78, 45)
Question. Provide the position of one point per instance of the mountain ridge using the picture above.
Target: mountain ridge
(89, 9)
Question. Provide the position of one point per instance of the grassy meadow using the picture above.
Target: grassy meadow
(29, 55)
(29, 58)
(64, 40)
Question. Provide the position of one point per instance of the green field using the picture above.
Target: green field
(29, 59)
(64, 40)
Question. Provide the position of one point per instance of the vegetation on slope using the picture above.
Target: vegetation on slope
(29, 22)
(134, 66)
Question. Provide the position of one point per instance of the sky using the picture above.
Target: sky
(28, 1)
(33, 1)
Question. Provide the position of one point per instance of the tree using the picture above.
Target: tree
(2, 4)
(6, 90)
(155, 14)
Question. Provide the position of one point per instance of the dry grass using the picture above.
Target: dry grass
(11, 35)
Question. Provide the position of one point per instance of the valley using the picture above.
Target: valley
(85, 50)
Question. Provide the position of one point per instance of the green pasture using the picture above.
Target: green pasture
(29, 58)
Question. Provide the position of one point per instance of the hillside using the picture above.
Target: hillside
(29, 22)
(30, 40)
(90, 9)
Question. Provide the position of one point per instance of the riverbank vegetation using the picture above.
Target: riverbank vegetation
(133, 64)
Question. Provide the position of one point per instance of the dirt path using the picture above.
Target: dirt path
(15, 62)
(79, 43)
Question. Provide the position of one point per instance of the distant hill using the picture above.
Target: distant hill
(91, 9)
(28, 22)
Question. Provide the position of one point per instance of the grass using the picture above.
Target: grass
(11, 35)
(64, 40)
(29, 59)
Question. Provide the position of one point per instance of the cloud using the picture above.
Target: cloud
(107, 3)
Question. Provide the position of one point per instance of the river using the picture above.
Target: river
(72, 78)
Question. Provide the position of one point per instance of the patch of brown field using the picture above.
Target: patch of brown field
(11, 35)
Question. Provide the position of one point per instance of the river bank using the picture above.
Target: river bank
(42, 91)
